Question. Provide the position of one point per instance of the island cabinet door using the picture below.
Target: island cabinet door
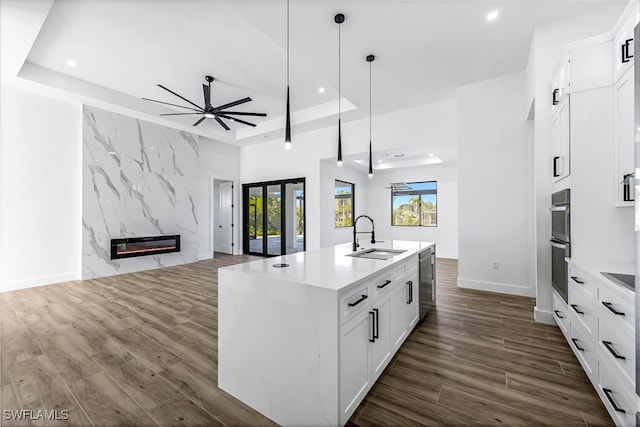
(355, 368)
(411, 307)
(382, 346)
(400, 298)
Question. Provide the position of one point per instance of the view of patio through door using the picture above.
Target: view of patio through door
(274, 217)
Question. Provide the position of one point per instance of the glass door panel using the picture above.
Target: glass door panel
(294, 217)
(274, 219)
(255, 210)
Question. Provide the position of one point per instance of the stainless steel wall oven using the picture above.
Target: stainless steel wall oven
(560, 241)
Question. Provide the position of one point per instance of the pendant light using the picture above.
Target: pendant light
(287, 132)
(339, 19)
(370, 59)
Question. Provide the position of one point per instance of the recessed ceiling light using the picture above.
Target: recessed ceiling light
(431, 154)
(491, 16)
(398, 155)
(379, 161)
(72, 63)
(321, 89)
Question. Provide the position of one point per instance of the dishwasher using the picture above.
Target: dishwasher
(427, 265)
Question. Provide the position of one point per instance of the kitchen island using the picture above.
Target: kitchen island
(303, 343)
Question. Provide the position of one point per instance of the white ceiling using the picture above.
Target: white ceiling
(424, 50)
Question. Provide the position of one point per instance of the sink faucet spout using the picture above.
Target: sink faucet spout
(373, 232)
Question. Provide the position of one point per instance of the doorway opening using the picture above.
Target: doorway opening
(274, 217)
(222, 216)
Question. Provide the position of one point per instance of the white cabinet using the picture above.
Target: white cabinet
(411, 307)
(561, 140)
(623, 40)
(381, 344)
(399, 323)
(624, 139)
(601, 334)
(355, 366)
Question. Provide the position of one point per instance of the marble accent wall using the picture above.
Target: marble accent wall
(139, 179)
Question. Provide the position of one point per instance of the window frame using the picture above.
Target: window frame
(420, 222)
(353, 202)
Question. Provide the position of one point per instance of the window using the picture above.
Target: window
(414, 204)
(343, 197)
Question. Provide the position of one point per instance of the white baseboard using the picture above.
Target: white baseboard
(37, 281)
(204, 256)
(543, 316)
(445, 255)
(502, 288)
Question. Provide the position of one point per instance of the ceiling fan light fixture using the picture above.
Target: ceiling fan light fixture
(209, 115)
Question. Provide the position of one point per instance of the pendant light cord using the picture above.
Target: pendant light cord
(370, 100)
(339, 72)
(287, 43)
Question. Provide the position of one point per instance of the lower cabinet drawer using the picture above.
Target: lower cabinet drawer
(617, 305)
(561, 314)
(617, 398)
(354, 300)
(583, 307)
(618, 348)
(584, 347)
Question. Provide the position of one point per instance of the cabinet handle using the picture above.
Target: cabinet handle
(386, 282)
(558, 313)
(626, 56)
(353, 304)
(410, 284)
(612, 350)
(607, 392)
(555, 96)
(627, 195)
(575, 307)
(575, 342)
(577, 280)
(372, 322)
(611, 309)
(377, 325)
(555, 166)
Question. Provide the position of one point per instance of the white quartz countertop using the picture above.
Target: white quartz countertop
(329, 267)
(597, 267)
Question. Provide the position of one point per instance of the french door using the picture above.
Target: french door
(273, 217)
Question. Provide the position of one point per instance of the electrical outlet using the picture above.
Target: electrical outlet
(495, 265)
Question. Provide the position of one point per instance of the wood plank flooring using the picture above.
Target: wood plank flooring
(141, 349)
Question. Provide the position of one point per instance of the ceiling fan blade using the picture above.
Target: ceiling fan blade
(199, 121)
(207, 96)
(223, 124)
(242, 113)
(178, 114)
(236, 120)
(181, 97)
(232, 104)
(175, 105)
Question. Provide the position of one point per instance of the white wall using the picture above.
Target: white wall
(493, 177)
(40, 190)
(217, 161)
(546, 49)
(329, 172)
(378, 206)
(426, 126)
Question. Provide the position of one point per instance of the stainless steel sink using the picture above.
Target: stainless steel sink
(377, 253)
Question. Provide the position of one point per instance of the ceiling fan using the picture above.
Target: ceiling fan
(210, 112)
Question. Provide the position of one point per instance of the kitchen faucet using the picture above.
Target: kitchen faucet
(373, 236)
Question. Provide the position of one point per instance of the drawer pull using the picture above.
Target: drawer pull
(577, 280)
(607, 392)
(577, 310)
(386, 282)
(575, 342)
(353, 304)
(372, 338)
(612, 350)
(559, 314)
(611, 309)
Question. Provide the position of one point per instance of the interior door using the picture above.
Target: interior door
(225, 216)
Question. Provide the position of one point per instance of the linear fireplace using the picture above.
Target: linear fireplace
(141, 246)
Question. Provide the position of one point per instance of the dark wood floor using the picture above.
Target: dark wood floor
(141, 349)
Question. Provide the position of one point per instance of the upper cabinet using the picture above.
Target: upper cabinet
(624, 135)
(560, 139)
(623, 40)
